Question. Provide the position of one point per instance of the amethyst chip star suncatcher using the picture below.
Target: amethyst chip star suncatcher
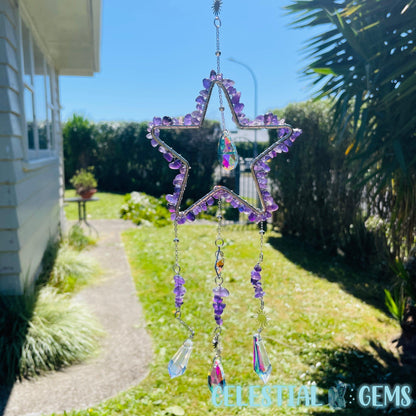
(259, 166)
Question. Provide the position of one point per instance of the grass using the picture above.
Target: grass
(108, 207)
(43, 331)
(319, 332)
(72, 269)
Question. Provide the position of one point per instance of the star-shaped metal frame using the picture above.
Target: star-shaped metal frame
(259, 168)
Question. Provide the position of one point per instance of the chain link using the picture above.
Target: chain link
(217, 24)
(176, 267)
(261, 232)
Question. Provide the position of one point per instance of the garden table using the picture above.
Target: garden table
(82, 210)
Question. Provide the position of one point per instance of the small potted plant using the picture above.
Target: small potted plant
(84, 182)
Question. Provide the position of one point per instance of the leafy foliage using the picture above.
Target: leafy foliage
(365, 59)
(144, 209)
(318, 203)
(125, 161)
(84, 179)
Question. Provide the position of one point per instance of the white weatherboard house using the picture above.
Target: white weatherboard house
(39, 40)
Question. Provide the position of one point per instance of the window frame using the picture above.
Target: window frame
(50, 76)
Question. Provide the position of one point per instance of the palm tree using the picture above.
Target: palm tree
(365, 60)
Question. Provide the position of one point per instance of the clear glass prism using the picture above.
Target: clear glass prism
(261, 362)
(227, 152)
(217, 376)
(177, 365)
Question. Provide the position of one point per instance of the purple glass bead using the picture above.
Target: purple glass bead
(238, 108)
(210, 201)
(268, 214)
(149, 136)
(257, 268)
(218, 308)
(259, 293)
(241, 209)
(178, 302)
(218, 320)
(268, 118)
(204, 93)
(179, 280)
(187, 120)
(179, 290)
(178, 179)
(218, 299)
(173, 199)
(181, 220)
(157, 121)
(255, 275)
(176, 164)
(213, 74)
(171, 208)
(234, 203)
(252, 217)
(168, 157)
(173, 216)
(236, 98)
(166, 121)
(203, 206)
(190, 216)
(272, 207)
(154, 143)
(206, 83)
(221, 292)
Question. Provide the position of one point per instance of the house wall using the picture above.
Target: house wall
(29, 189)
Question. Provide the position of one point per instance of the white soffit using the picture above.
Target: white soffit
(71, 32)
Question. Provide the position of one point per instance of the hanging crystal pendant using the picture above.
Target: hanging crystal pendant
(217, 376)
(227, 152)
(178, 363)
(261, 362)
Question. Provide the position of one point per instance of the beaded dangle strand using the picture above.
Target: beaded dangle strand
(216, 378)
(179, 362)
(261, 362)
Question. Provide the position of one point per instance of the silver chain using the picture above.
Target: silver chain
(261, 232)
(217, 24)
(176, 267)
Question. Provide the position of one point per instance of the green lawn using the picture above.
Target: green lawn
(108, 207)
(326, 322)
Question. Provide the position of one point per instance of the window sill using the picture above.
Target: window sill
(36, 164)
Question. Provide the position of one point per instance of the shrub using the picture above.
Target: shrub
(125, 161)
(144, 209)
(313, 185)
(77, 239)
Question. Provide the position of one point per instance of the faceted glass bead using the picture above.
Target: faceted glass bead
(178, 363)
(227, 153)
(261, 362)
(217, 376)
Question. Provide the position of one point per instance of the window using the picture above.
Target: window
(40, 107)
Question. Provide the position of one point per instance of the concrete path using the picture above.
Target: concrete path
(126, 350)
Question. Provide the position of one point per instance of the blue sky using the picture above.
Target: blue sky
(154, 55)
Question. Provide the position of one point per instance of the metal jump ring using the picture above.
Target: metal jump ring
(219, 242)
(217, 22)
(176, 268)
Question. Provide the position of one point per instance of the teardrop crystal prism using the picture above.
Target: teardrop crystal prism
(178, 363)
(217, 377)
(261, 362)
(227, 152)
